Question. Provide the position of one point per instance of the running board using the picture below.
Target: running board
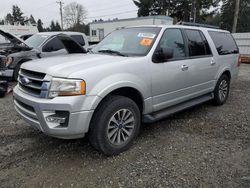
(151, 118)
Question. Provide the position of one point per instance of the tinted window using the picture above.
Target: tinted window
(224, 43)
(53, 45)
(79, 39)
(196, 44)
(207, 47)
(172, 38)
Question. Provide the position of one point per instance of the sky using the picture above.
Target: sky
(48, 10)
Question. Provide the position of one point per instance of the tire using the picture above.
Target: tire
(221, 91)
(16, 71)
(107, 134)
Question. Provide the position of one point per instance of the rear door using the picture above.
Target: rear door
(202, 65)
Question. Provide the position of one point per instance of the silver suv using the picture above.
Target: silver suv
(136, 74)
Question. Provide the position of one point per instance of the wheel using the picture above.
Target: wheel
(221, 90)
(16, 71)
(115, 125)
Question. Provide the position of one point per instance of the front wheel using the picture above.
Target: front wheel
(221, 91)
(115, 125)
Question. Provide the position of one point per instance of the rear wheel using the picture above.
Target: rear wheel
(221, 91)
(115, 125)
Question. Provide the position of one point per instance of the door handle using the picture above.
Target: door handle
(184, 67)
(212, 62)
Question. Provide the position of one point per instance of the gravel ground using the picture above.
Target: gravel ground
(205, 146)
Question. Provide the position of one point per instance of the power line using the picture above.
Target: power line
(61, 4)
(93, 17)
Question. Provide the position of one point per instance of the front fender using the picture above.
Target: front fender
(114, 82)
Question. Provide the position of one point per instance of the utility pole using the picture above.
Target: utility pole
(61, 4)
(236, 15)
(194, 9)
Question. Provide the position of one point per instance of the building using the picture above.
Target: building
(100, 29)
(19, 30)
(243, 42)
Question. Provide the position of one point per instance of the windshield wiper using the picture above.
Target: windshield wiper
(113, 52)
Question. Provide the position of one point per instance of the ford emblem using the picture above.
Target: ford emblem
(24, 80)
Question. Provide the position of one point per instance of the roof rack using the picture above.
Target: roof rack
(198, 25)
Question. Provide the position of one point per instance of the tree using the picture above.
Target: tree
(17, 14)
(74, 14)
(228, 12)
(57, 27)
(9, 19)
(32, 19)
(80, 28)
(144, 7)
(52, 26)
(40, 25)
(188, 10)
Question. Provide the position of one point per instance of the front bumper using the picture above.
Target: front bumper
(6, 73)
(34, 110)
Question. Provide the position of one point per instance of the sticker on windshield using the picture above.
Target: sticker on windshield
(146, 42)
(147, 35)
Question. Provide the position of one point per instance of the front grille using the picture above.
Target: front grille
(32, 82)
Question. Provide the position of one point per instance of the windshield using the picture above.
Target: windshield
(128, 42)
(36, 40)
(4, 41)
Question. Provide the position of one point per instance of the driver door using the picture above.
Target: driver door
(171, 78)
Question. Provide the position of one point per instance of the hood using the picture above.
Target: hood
(65, 65)
(13, 39)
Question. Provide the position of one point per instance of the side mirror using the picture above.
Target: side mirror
(163, 54)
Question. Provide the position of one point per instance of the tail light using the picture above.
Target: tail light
(239, 61)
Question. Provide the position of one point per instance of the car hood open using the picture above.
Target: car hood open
(13, 39)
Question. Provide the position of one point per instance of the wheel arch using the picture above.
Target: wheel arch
(226, 72)
(126, 91)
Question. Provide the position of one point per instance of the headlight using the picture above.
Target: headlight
(66, 87)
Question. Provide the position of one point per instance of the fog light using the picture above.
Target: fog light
(55, 119)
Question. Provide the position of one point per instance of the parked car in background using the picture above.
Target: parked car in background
(39, 45)
(135, 74)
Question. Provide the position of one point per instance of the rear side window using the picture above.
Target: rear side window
(79, 39)
(224, 43)
(197, 43)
